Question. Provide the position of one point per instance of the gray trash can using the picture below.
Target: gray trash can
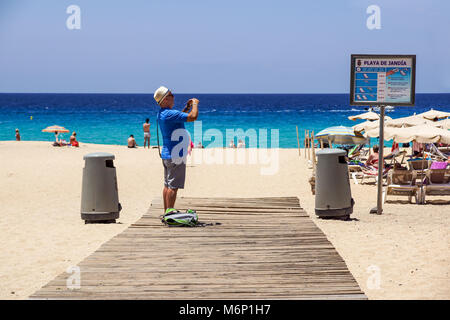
(99, 194)
(333, 194)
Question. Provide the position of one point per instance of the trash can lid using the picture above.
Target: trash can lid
(99, 155)
(328, 151)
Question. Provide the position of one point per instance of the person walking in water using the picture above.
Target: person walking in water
(174, 152)
(146, 127)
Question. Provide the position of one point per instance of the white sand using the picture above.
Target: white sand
(41, 232)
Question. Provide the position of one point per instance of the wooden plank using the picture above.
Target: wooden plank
(263, 248)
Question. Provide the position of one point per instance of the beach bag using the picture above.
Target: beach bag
(175, 218)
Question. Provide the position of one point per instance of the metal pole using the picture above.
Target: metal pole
(379, 208)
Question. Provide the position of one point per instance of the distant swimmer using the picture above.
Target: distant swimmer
(361, 90)
(358, 97)
(364, 97)
(365, 76)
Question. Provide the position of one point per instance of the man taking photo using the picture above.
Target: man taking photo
(175, 142)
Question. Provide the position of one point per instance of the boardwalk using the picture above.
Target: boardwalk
(260, 248)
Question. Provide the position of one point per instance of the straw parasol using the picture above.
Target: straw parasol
(414, 120)
(444, 124)
(434, 114)
(341, 135)
(55, 128)
(370, 116)
(423, 133)
(366, 125)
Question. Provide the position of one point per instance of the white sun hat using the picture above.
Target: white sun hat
(160, 94)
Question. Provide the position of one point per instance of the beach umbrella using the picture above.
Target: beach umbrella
(341, 135)
(368, 125)
(444, 124)
(361, 126)
(370, 116)
(55, 128)
(414, 120)
(434, 114)
(423, 133)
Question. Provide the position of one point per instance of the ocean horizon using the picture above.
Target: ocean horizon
(105, 118)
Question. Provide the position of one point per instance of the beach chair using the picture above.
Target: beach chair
(392, 156)
(355, 152)
(401, 183)
(436, 154)
(355, 171)
(436, 183)
(368, 172)
(419, 164)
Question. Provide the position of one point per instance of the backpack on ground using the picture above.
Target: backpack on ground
(175, 218)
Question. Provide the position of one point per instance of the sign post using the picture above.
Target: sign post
(381, 80)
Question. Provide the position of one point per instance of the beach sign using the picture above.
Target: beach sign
(382, 80)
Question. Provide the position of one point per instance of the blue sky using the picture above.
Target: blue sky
(207, 46)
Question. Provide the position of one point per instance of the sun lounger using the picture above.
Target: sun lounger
(436, 153)
(392, 156)
(355, 172)
(356, 152)
(436, 183)
(419, 164)
(401, 183)
(368, 172)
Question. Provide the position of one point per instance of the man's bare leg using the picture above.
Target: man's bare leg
(171, 196)
(165, 198)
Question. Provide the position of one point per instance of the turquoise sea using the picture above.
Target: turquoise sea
(111, 118)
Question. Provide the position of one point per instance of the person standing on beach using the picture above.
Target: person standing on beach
(146, 127)
(173, 152)
(17, 135)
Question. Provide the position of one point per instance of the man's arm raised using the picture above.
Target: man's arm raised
(193, 114)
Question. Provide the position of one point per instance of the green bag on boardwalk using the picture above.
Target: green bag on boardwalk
(175, 218)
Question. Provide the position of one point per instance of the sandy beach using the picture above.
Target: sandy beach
(42, 234)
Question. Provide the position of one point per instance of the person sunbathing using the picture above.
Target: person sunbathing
(73, 140)
(373, 158)
(59, 141)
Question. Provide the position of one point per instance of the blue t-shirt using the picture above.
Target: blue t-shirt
(170, 120)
